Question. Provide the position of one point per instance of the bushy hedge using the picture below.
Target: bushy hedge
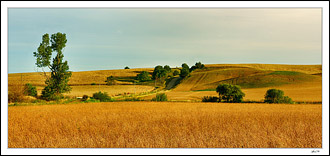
(30, 90)
(160, 97)
(103, 97)
(84, 98)
(210, 99)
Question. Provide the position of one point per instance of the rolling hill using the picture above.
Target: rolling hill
(301, 82)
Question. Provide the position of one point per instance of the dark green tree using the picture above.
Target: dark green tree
(143, 76)
(184, 70)
(276, 96)
(156, 72)
(57, 83)
(184, 65)
(126, 67)
(230, 93)
(167, 68)
(198, 65)
(176, 72)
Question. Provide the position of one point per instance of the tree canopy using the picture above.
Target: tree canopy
(57, 83)
(184, 70)
(143, 76)
(276, 96)
(230, 93)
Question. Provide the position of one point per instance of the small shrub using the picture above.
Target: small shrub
(126, 67)
(133, 99)
(38, 101)
(103, 97)
(287, 99)
(30, 90)
(111, 80)
(160, 97)
(15, 93)
(210, 99)
(84, 98)
(91, 100)
(93, 84)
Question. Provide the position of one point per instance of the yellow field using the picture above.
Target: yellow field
(300, 92)
(308, 69)
(308, 90)
(79, 91)
(165, 124)
(77, 78)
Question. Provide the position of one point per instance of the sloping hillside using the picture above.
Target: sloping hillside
(248, 76)
(77, 78)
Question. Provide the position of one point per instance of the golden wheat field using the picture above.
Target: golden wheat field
(165, 125)
(78, 91)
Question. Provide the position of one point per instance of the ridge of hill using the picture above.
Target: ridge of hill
(249, 76)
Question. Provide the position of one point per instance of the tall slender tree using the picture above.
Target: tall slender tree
(57, 83)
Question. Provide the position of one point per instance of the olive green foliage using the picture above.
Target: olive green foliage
(210, 99)
(103, 97)
(110, 80)
(198, 65)
(276, 96)
(57, 83)
(167, 68)
(184, 70)
(143, 76)
(176, 72)
(159, 73)
(230, 93)
(160, 97)
(30, 90)
(84, 98)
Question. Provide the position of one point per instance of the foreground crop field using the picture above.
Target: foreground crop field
(165, 124)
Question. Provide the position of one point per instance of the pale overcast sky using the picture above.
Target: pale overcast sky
(100, 39)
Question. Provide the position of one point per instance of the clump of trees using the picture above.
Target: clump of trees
(126, 67)
(184, 70)
(230, 93)
(143, 76)
(176, 72)
(111, 80)
(160, 73)
(198, 65)
(276, 96)
(160, 97)
(57, 83)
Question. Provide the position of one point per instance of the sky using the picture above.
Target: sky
(112, 38)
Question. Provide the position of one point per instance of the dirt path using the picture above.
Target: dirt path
(172, 83)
